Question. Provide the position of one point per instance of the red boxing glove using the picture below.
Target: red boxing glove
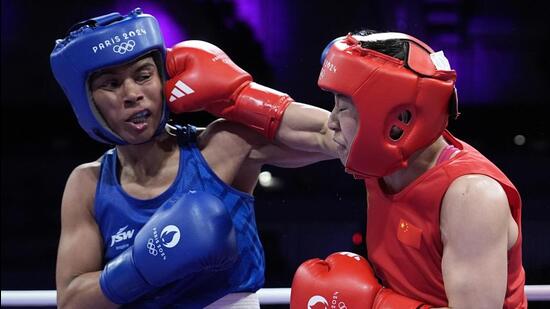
(343, 280)
(202, 77)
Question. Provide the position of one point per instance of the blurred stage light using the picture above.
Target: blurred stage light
(519, 140)
(173, 32)
(265, 179)
(357, 238)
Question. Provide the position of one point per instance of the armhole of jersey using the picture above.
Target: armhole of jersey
(198, 155)
(98, 185)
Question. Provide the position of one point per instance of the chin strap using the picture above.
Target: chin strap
(184, 133)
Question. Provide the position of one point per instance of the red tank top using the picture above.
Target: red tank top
(403, 235)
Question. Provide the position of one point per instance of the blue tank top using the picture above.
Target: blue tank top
(120, 216)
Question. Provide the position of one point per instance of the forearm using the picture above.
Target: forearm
(304, 127)
(225, 90)
(83, 292)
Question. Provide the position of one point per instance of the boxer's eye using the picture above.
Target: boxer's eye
(144, 75)
(110, 84)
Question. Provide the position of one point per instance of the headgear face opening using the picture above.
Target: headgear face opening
(403, 106)
(98, 43)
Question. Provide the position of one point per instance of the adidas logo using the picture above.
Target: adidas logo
(180, 89)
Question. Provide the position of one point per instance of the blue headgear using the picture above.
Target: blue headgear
(101, 42)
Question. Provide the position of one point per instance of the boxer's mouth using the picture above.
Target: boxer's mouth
(342, 145)
(139, 117)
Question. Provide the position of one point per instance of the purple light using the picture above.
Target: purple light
(10, 21)
(442, 18)
(491, 26)
(447, 39)
(173, 32)
(269, 22)
(250, 11)
(401, 18)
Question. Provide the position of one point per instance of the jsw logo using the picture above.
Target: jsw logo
(122, 235)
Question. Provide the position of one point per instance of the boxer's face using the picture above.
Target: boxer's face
(129, 97)
(344, 122)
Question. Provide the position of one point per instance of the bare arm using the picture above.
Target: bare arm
(224, 141)
(236, 154)
(475, 218)
(80, 249)
(304, 128)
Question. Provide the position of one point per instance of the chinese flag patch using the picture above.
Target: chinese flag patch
(409, 234)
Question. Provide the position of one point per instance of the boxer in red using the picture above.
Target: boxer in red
(443, 224)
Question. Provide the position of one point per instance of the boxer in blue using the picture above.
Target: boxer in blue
(166, 216)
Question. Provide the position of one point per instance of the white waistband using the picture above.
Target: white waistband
(236, 301)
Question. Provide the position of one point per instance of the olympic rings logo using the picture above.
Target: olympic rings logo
(318, 301)
(151, 246)
(124, 47)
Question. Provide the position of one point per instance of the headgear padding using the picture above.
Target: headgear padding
(410, 96)
(102, 42)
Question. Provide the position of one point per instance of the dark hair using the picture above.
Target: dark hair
(396, 48)
(399, 48)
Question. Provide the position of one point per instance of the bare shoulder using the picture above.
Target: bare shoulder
(475, 205)
(85, 175)
(89, 169)
(229, 136)
(476, 188)
(81, 185)
(228, 147)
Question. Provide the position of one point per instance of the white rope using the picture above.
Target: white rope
(274, 296)
(29, 298)
(537, 292)
(270, 296)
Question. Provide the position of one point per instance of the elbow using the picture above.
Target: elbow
(67, 299)
(62, 300)
(66, 294)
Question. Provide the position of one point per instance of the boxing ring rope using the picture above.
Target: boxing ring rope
(271, 296)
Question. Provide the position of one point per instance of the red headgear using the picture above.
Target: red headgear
(384, 89)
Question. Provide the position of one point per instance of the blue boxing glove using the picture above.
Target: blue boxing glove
(185, 236)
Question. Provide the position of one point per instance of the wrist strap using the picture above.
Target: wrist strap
(261, 108)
